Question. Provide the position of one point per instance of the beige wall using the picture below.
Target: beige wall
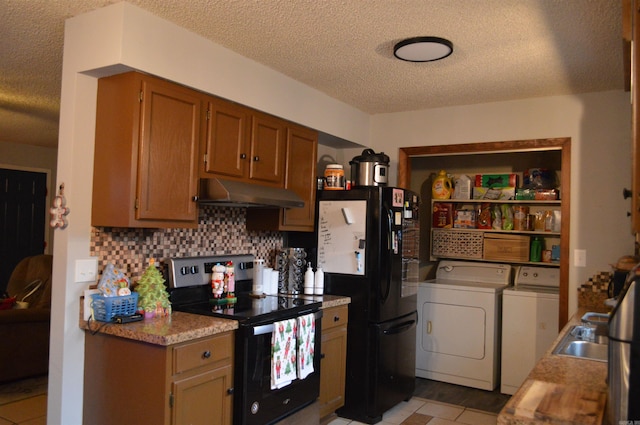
(600, 131)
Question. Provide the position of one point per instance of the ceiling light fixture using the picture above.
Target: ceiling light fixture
(423, 49)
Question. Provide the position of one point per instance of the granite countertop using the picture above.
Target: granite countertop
(571, 375)
(180, 327)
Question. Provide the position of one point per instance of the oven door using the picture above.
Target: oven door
(255, 403)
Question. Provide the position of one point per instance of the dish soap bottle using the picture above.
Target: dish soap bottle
(319, 281)
(441, 188)
(309, 281)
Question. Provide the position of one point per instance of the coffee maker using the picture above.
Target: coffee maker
(624, 353)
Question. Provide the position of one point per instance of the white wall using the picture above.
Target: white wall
(110, 40)
(600, 131)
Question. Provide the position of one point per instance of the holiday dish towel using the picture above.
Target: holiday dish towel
(306, 340)
(283, 353)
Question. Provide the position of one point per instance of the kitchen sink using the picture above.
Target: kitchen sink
(584, 342)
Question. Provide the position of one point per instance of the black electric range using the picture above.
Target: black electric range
(190, 292)
(255, 401)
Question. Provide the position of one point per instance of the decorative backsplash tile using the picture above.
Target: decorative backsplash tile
(220, 231)
(593, 293)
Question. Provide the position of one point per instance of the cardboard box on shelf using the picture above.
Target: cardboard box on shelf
(442, 214)
(494, 194)
(461, 187)
(465, 219)
(496, 180)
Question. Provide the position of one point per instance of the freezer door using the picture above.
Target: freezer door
(394, 373)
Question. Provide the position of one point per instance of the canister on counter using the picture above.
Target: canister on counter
(520, 217)
(334, 177)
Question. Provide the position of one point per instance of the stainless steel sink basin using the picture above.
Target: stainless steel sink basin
(583, 342)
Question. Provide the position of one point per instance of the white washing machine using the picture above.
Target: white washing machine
(458, 332)
(529, 323)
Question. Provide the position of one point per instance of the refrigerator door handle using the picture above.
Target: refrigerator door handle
(384, 291)
(404, 326)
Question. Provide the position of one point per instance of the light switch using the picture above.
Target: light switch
(86, 270)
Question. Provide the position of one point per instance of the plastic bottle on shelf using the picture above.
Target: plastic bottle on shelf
(309, 281)
(536, 250)
(441, 188)
(319, 281)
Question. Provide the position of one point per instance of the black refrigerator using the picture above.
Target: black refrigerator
(367, 245)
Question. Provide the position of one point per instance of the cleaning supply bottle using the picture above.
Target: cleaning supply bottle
(536, 250)
(319, 281)
(309, 281)
(441, 188)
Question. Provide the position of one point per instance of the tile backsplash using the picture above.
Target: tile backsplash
(220, 231)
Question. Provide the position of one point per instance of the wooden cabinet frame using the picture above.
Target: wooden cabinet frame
(563, 144)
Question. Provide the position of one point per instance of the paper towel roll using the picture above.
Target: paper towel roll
(258, 266)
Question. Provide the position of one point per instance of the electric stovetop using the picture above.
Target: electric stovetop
(251, 310)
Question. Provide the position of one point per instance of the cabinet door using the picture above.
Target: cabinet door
(266, 163)
(226, 150)
(333, 371)
(334, 360)
(204, 399)
(167, 152)
(302, 145)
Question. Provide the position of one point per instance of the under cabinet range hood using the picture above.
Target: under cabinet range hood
(231, 193)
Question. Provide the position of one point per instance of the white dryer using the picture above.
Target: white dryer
(458, 333)
(529, 323)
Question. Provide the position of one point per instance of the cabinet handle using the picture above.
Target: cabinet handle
(194, 198)
(206, 354)
(256, 158)
(230, 391)
(626, 193)
(336, 318)
(429, 327)
(322, 356)
(243, 156)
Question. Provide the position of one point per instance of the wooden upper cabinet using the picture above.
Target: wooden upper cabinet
(146, 150)
(300, 177)
(242, 144)
(266, 164)
(226, 150)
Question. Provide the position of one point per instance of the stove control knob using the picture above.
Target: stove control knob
(194, 269)
(184, 270)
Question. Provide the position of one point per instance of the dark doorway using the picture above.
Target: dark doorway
(22, 218)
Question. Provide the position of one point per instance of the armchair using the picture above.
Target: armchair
(24, 333)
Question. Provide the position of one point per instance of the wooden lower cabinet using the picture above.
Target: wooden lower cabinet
(128, 381)
(334, 359)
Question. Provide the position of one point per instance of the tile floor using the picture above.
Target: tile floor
(29, 411)
(417, 411)
(421, 411)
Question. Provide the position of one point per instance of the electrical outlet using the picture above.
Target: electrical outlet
(86, 270)
(580, 258)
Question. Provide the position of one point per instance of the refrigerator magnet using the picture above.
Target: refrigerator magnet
(397, 197)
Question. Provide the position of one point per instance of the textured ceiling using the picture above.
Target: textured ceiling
(503, 50)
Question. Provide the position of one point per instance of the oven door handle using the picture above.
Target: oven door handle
(268, 328)
(263, 329)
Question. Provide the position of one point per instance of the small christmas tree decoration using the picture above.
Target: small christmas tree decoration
(153, 298)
